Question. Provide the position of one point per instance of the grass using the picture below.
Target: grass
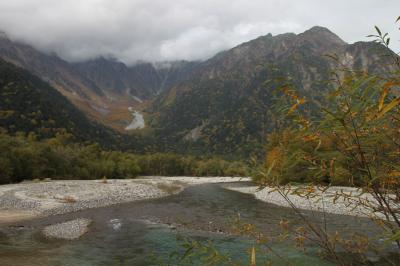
(68, 199)
(169, 188)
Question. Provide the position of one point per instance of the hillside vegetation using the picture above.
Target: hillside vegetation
(227, 106)
(28, 104)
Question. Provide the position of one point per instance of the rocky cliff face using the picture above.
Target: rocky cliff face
(228, 100)
(142, 81)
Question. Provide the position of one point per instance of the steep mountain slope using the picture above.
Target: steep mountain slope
(104, 89)
(143, 80)
(49, 67)
(225, 107)
(61, 75)
(28, 104)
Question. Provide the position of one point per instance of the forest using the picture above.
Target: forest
(24, 157)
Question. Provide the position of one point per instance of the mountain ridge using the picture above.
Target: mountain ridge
(226, 106)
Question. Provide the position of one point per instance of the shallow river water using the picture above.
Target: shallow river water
(147, 232)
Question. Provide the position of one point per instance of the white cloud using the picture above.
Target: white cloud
(155, 30)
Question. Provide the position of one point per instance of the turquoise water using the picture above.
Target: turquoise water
(139, 244)
(138, 233)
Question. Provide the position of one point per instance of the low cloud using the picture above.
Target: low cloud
(158, 30)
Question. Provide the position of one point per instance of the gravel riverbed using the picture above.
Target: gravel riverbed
(69, 230)
(38, 199)
(326, 201)
(31, 199)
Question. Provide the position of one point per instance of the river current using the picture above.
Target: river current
(150, 232)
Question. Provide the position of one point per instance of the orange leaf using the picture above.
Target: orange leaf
(293, 108)
(301, 101)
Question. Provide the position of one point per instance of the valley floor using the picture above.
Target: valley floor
(34, 199)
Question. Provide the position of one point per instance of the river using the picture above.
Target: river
(141, 233)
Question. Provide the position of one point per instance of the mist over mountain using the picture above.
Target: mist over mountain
(159, 30)
(103, 88)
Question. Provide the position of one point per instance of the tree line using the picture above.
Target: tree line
(24, 157)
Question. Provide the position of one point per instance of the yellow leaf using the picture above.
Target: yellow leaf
(387, 108)
(253, 256)
(382, 98)
(394, 173)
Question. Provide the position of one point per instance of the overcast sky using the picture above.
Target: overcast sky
(158, 30)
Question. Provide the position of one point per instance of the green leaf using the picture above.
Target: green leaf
(378, 30)
(394, 237)
(270, 168)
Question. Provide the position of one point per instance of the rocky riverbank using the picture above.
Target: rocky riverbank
(323, 201)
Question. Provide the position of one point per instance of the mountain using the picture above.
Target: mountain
(28, 104)
(104, 89)
(142, 81)
(49, 67)
(221, 105)
(226, 105)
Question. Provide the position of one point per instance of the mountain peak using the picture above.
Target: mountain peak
(323, 34)
(319, 29)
